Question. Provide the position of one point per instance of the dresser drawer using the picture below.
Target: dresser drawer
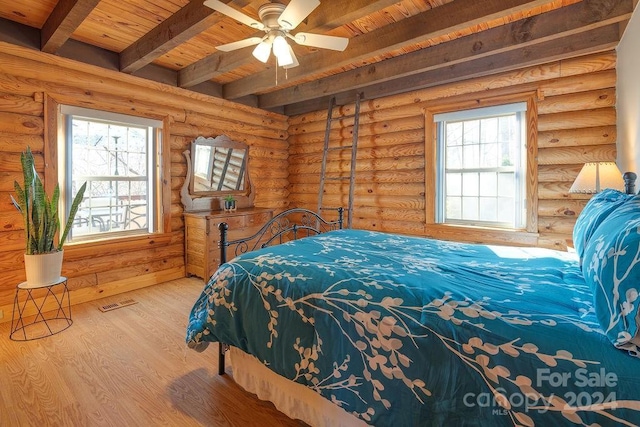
(202, 237)
(258, 219)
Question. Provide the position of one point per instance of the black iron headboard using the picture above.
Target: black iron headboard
(289, 225)
(629, 182)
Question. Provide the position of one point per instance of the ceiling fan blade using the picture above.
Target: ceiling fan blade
(295, 60)
(322, 41)
(233, 13)
(251, 41)
(295, 12)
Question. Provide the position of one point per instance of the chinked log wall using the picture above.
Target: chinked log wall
(576, 124)
(99, 270)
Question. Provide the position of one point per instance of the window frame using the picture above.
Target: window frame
(55, 134)
(475, 114)
(466, 232)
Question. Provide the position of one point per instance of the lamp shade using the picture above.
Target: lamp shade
(281, 51)
(262, 51)
(595, 177)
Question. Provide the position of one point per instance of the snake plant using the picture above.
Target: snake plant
(39, 212)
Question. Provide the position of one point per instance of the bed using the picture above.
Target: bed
(353, 327)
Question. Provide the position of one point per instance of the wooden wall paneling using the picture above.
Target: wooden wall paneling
(367, 188)
(11, 221)
(575, 123)
(5, 202)
(40, 67)
(551, 173)
(577, 101)
(114, 103)
(389, 214)
(561, 208)
(577, 119)
(99, 269)
(576, 83)
(558, 190)
(398, 226)
(8, 164)
(8, 177)
(598, 135)
(12, 240)
(559, 242)
(21, 124)
(537, 75)
(579, 154)
(532, 164)
(16, 143)
(556, 225)
(313, 142)
(480, 235)
(15, 103)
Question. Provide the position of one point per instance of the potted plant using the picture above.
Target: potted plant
(43, 259)
(229, 203)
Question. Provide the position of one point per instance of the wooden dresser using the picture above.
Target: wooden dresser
(202, 237)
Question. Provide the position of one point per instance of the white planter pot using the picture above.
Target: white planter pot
(43, 269)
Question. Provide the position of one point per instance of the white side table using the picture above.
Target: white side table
(34, 302)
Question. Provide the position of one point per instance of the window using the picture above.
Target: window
(481, 167)
(117, 155)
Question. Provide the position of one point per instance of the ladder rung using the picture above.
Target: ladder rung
(337, 178)
(345, 147)
(332, 209)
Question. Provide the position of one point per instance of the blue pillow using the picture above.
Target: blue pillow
(596, 210)
(612, 270)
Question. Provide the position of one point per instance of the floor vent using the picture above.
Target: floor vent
(114, 305)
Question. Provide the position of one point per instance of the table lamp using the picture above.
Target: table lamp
(596, 176)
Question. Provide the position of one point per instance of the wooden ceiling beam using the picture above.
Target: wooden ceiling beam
(63, 21)
(440, 21)
(555, 24)
(325, 18)
(189, 21)
(593, 41)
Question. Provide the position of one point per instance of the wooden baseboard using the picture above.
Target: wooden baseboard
(82, 295)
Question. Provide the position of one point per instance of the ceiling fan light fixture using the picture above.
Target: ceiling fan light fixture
(294, 62)
(281, 51)
(262, 51)
(280, 46)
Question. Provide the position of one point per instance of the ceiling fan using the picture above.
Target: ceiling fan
(277, 20)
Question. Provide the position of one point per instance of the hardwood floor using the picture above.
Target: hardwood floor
(126, 367)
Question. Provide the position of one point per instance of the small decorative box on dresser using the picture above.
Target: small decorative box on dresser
(202, 250)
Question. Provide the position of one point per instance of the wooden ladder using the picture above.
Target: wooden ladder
(325, 153)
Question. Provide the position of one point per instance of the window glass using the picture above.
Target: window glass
(481, 174)
(115, 154)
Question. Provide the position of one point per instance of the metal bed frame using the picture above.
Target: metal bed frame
(289, 225)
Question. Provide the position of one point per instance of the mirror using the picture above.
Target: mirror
(216, 167)
(219, 166)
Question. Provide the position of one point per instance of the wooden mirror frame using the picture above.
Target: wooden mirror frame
(214, 200)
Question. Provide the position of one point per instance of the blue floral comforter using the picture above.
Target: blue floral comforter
(406, 331)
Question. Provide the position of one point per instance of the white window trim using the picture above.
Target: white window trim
(154, 159)
(440, 121)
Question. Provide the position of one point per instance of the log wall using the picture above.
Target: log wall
(576, 123)
(105, 268)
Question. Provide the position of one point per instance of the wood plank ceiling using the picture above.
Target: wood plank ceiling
(395, 46)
